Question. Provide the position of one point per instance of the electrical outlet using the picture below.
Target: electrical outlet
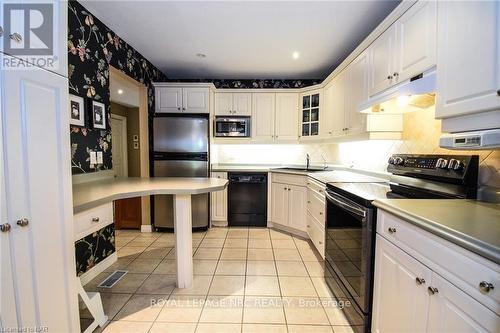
(93, 159)
(99, 157)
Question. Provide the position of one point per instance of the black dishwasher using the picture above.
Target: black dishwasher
(247, 199)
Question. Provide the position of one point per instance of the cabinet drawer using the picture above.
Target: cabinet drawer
(92, 220)
(316, 206)
(463, 268)
(287, 178)
(316, 233)
(316, 186)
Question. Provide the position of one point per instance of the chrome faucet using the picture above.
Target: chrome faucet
(324, 162)
(307, 161)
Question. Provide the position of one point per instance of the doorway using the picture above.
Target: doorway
(129, 131)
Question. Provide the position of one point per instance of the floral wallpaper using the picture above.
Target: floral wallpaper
(93, 248)
(256, 83)
(92, 48)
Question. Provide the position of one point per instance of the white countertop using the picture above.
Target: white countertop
(92, 194)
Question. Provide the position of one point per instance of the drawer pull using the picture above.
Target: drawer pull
(320, 191)
(486, 286)
(419, 281)
(320, 213)
(95, 219)
(23, 222)
(308, 225)
(392, 230)
(432, 290)
(5, 227)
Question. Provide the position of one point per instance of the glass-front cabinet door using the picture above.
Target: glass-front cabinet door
(310, 114)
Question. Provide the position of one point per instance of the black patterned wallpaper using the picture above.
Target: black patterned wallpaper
(256, 83)
(92, 48)
(94, 248)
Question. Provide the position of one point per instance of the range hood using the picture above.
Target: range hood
(411, 95)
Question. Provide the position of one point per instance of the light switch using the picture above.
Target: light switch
(93, 158)
(99, 157)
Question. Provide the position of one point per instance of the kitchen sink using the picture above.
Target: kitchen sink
(303, 169)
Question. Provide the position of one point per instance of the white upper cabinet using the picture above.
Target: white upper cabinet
(416, 40)
(381, 53)
(337, 97)
(310, 114)
(181, 100)
(263, 105)
(286, 123)
(468, 76)
(227, 104)
(356, 92)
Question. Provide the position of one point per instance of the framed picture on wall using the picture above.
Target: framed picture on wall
(98, 115)
(76, 110)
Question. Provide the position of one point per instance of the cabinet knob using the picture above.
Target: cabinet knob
(5, 227)
(389, 77)
(95, 219)
(1, 31)
(16, 37)
(392, 230)
(289, 189)
(308, 201)
(320, 242)
(23, 222)
(320, 191)
(396, 74)
(498, 92)
(308, 225)
(419, 280)
(432, 290)
(486, 286)
(320, 213)
(179, 109)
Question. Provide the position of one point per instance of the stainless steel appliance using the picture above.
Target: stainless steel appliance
(351, 220)
(247, 199)
(232, 126)
(180, 149)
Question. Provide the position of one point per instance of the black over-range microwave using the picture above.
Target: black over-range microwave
(232, 126)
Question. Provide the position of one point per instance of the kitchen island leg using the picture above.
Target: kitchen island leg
(183, 240)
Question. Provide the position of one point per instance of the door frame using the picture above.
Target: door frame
(124, 142)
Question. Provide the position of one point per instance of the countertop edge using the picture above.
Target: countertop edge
(480, 248)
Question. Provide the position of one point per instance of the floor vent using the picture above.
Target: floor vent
(112, 279)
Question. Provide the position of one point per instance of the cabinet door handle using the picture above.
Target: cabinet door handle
(486, 286)
(498, 92)
(419, 280)
(178, 109)
(308, 225)
(432, 290)
(23, 222)
(1, 31)
(320, 242)
(392, 230)
(308, 201)
(320, 191)
(320, 213)
(389, 77)
(95, 219)
(396, 74)
(5, 227)
(183, 109)
(289, 189)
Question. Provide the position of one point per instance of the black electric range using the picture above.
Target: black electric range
(351, 220)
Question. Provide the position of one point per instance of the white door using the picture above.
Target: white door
(338, 100)
(219, 200)
(38, 170)
(468, 76)
(297, 207)
(279, 203)
(381, 53)
(416, 40)
(356, 93)
(451, 310)
(119, 146)
(223, 104)
(263, 106)
(287, 119)
(195, 100)
(400, 302)
(168, 100)
(242, 104)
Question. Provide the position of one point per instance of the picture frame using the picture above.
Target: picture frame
(76, 110)
(98, 115)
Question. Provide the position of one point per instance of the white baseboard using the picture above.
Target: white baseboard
(98, 269)
(146, 228)
(292, 231)
(219, 224)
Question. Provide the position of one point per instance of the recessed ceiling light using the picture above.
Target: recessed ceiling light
(201, 55)
(295, 55)
(120, 91)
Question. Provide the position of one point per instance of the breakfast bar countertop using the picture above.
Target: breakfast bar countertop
(471, 224)
(95, 193)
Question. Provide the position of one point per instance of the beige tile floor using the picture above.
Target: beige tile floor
(245, 280)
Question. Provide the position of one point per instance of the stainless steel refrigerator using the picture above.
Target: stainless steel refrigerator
(180, 149)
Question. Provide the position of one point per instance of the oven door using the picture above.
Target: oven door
(239, 127)
(349, 251)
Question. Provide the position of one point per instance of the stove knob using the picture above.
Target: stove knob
(391, 160)
(441, 163)
(398, 161)
(455, 164)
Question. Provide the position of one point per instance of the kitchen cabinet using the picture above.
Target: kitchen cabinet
(356, 92)
(334, 110)
(315, 223)
(181, 99)
(297, 209)
(263, 114)
(236, 104)
(279, 203)
(289, 202)
(405, 49)
(36, 234)
(286, 119)
(468, 76)
(218, 211)
(310, 114)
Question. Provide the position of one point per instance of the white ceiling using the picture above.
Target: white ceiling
(243, 39)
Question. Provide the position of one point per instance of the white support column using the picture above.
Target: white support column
(183, 240)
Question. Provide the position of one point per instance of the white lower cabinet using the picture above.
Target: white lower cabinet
(289, 204)
(415, 292)
(218, 211)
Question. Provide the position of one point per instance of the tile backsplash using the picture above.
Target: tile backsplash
(420, 136)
